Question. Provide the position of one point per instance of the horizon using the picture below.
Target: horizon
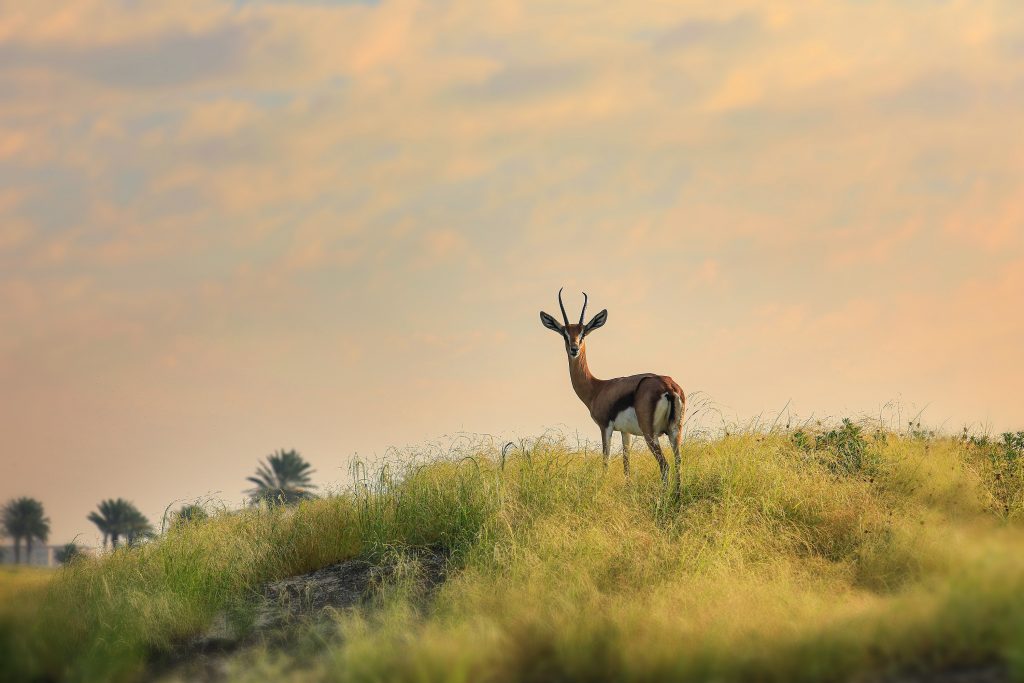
(890, 417)
(232, 227)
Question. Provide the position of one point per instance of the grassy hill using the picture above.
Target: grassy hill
(843, 554)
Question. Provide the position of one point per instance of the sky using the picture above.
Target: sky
(232, 227)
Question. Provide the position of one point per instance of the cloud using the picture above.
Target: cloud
(325, 3)
(718, 33)
(217, 118)
(938, 94)
(12, 143)
(14, 233)
(706, 274)
(865, 249)
(989, 216)
(174, 58)
(444, 246)
(516, 82)
(741, 89)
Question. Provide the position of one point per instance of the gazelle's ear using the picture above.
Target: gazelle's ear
(597, 321)
(550, 322)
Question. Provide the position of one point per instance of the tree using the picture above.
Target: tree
(283, 478)
(117, 518)
(23, 519)
(137, 527)
(68, 553)
(108, 519)
(189, 513)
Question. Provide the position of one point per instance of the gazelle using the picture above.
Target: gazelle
(646, 405)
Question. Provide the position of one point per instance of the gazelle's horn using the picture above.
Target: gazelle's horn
(584, 311)
(565, 318)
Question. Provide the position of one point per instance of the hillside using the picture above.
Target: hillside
(843, 554)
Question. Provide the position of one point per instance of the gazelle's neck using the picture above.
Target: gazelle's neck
(583, 382)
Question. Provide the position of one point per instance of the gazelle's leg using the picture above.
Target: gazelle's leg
(652, 443)
(606, 443)
(675, 438)
(625, 453)
(646, 405)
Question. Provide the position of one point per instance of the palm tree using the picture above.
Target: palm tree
(137, 527)
(107, 518)
(23, 519)
(117, 518)
(283, 478)
(68, 553)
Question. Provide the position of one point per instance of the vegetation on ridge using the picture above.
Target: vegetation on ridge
(845, 553)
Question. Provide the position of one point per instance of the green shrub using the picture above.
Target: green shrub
(1002, 463)
(845, 444)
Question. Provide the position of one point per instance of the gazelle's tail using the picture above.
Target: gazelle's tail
(676, 416)
(668, 411)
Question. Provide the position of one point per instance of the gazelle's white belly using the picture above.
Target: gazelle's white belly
(626, 422)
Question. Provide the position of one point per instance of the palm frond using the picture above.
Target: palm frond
(283, 477)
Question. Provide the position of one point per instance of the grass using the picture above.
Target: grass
(15, 580)
(788, 557)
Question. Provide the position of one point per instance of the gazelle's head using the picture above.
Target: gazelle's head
(573, 335)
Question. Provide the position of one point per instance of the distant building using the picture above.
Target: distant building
(42, 555)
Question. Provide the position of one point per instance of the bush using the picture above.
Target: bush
(845, 443)
(69, 553)
(1002, 463)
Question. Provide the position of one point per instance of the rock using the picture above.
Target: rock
(283, 608)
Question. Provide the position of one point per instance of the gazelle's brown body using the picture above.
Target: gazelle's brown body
(646, 405)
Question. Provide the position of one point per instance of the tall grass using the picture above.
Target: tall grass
(786, 558)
